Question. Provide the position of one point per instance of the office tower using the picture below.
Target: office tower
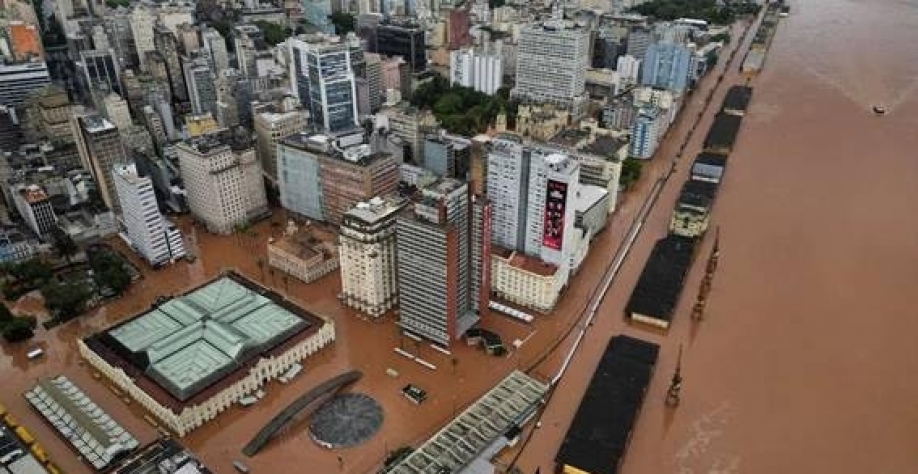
(434, 264)
(121, 37)
(150, 234)
(100, 149)
(639, 40)
(551, 64)
(34, 206)
(234, 99)
(447, 156)
(223, 181)
(18, 80)
(353, 175)
(142, 22)
(668, 66)
(245, 38)
(116, 111)
(274, 125)
(322, 76)
(167, 47)
(374, 81)
(646, 130)
(367, 255)
(215, 45)
(317, 13)
(508, 175)
(199, 79)
(47, 116)
(298, 174)
(402, 39)
(188, 38)
(411, 125)
(482, 72)
(480, 286)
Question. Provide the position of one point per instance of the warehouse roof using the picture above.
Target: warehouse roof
(599, 433)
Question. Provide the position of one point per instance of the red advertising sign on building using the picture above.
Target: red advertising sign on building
(555, 205)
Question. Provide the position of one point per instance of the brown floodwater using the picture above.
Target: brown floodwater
(805, 359)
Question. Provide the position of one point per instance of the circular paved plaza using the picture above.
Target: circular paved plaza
(346, 420)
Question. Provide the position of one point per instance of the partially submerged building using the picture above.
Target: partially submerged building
(192, 356)
(306, 252)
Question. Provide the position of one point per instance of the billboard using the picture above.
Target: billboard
(555, 207)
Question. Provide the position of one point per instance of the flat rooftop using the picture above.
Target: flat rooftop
(184, 350)
(309, 241)
(599, 434)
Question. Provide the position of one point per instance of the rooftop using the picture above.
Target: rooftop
(33, 194)
(697, 194)
(188, 347)
(163, 456)
(96, 124)
(308, 241)
(524, 262)
(587, 196)
(375, 210)
(601, 429)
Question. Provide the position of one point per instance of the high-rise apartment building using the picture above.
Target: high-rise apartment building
(167, 46)
(482, 72)
(639, 39)
(223, 181)
(434, 264)
(629, 69)
(354, 175)
(274, 125)
(142, 20)
(245, 38)
(215, 45)
(18, 80)
(298, 174)
(648, 126)
(323, 78)
(667, 66)
(202, 91)
(508, 173)
(551, 64)
(156, 240)
(34, 206)
(367, 254)
(405, 40)
(100, 148)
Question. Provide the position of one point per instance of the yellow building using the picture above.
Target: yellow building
(525, 281)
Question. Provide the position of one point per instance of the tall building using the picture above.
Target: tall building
(639, 39)
(322, 76)
(117, 112)
(668, 66)
(551, 64)
(117, 26)
(271, 127)
(374, 81)
(100, 148)
(142, 20)
(629, 69)
(457, 34)
(405, 40)
(354, 175)
(18, 80)
(448, 156)
(215, 45)
(202, 91)
(298, 174)
(434, 264)
(245, 38)
(411, 125)
(318, 13)
(480, 286)
(223, 182)
(648, 126)
(533, 190)
(367, 254)
(167, 47)
(150, 234)
(482, 72)
(34, 206)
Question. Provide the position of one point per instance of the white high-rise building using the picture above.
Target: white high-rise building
(629, 69)
(215, 45)
(506, 182)
(367, 255)
(142, 21)
(223, 182)
(482, 72)
(322, 77)
(551, 64)
(157, 240)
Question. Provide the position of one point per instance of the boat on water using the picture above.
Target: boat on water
(879, 109)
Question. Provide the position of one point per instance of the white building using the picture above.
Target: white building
(322, 77)
(142, 21)
(648, 127)
(215, 45)
(146, 230)
(506, 177)
(629, 69)
(482, 72)
(223, 182)
(526, 281)
(272, 126)
(367, 254)
(551, 64)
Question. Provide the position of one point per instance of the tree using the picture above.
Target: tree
(108, 271)
(274, 33)
(18, 328)
(64, 246)
(31, 272)
(66, 300)
(631, 172)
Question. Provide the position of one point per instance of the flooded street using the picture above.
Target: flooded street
(805, 358)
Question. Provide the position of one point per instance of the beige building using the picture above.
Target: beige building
(192, 357)
(307, 252)
(540, 122)
(223, 182)
(525, 281)
(272, 126)
(367, 247)
(47, 116)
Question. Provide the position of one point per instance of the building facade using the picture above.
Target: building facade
(367, 252)
(526, 281)
(668, 66)
(148, 232)
(19, 80)
(646, 130)
(305, 253)
(223, 182)
(100, 148)
(298, 174)
(271, 127)
(405, 40)
(34, 206)
(482, 72)
(323, 78)
(354, 175)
